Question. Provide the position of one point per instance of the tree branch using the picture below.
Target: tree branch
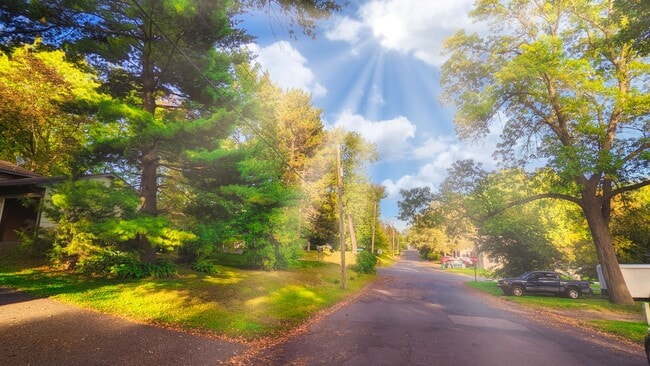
(629, 188)
(531, 199)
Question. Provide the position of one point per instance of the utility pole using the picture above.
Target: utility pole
(374, 223)
(393, 241)
(339, 173)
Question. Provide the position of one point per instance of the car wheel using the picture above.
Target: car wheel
(573, 293)
(517, 291)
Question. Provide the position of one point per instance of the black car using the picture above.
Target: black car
(543, 282)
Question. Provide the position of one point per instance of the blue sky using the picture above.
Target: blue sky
(374, 69)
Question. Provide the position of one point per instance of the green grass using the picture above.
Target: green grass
(482, 273)
(629, 330)
(235, 302)
(634, 331)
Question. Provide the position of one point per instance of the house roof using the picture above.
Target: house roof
(32, 181)
(16, 177)
(13, 169)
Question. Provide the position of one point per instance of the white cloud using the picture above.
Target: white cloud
(432, 146)
(441, 153)
(344, 29)
(391, 136)
(407, 26)
(287, 67)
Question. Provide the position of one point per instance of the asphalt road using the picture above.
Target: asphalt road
(413, 315)
(418, 315)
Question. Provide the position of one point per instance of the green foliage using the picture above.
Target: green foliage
(106, 263)
(205, 266)
(123, 265)
(424, 251)
(366, 263)
(207, 238)
(520, 242)
(91, 216)
(631, 225)
(428, 253)
(46, 109)
(36, 242)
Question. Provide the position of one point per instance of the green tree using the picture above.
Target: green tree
(171, 53)
(631, 226)
(94, 216)
(41, 93)
(633, 17)
(568, 94)
(321, 188)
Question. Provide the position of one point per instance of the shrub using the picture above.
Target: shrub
(424, 251)
(164, 268)
(36, 242)
(433, 256)
(123, 265)
(204, 266)
(366, 263)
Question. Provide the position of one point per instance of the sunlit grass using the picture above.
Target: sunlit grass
(234, 302)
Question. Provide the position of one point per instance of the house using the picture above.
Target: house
(22, 193)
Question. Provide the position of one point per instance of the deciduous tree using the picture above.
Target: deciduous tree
(566, 93)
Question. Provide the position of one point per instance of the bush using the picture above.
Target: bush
(433, 256)
(366, 263)
(204, 266)
(425, 251)
(164, 268)
(36, 242)
(123, 265)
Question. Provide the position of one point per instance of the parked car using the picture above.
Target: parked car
(452, 262)
(543, 282)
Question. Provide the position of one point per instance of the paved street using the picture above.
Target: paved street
(418, 315)
(414, 314)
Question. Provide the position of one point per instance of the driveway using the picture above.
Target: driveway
(46, 332)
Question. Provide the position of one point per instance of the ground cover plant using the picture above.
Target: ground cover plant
(233, 302)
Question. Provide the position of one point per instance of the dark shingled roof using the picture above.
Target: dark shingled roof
(9, 168)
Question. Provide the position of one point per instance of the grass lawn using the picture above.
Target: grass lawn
(595, 304)
(234, 302)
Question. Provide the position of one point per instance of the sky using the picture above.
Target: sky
(374, 69)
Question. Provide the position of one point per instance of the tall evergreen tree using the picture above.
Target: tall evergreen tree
(171, 53)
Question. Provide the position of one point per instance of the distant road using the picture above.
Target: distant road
(418, 315)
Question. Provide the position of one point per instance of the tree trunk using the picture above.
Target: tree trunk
(616, 287)
(149, 157)
(148, 193)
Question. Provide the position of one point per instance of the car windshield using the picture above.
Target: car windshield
(524, 275)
